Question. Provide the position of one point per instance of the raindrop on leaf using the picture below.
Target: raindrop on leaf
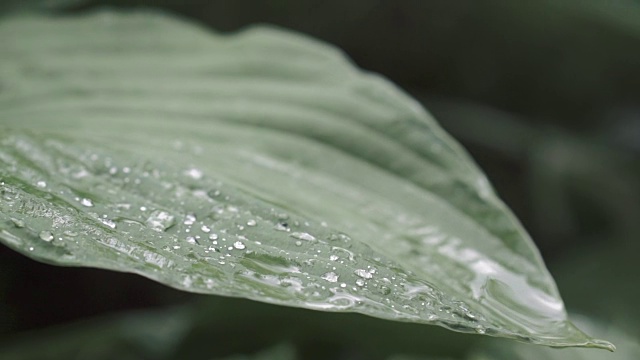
(46, 235)
(160, 220)
(330, 277)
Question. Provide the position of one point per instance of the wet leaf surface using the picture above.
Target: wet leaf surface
(260, 165)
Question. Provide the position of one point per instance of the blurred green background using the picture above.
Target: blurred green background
(544, 94)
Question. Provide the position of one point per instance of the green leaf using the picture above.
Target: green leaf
(141, 334)
(261, 165)
(629, 347)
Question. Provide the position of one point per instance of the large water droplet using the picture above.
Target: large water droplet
(190, 219)
(160, 220)
(251, 222)
(349, 254)
(192, 240)
(86, 202)
(363, 274)
(303, 236)
(330, 277)
(239, 245)
(17, 223)
(46, 235)
(194, 173)
(108, 222)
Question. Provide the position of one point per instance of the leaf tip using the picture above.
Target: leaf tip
(602, 344)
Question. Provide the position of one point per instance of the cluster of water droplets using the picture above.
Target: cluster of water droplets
(199, 233)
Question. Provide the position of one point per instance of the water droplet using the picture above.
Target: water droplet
(108, 222)
(205, 229)
(70, 233)
(343, 285)
(281, 227)
(238, 245)
(480, 329)
(213, 237)
(41, 184)
(333, 257)
(303, 236)
(190, 219)
(360, 282)
(363, 274)
(213, 193)
(350, 255)
(160, 220)
(192, 240)
(330, 277)
(339, 237)
(17, 223)
(251, 222)
(194, 173)
(46, 235)
(298, 243)
(124, 206)
(80, 174)
(469, 315)
(384, 290)
(86, 202)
